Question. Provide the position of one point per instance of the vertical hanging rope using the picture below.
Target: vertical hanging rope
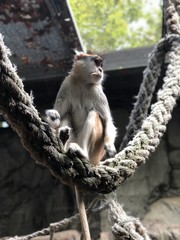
(151, 74)
(177, 6)
(150, 77)
(172, 19)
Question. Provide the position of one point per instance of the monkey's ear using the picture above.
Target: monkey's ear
(79, 55)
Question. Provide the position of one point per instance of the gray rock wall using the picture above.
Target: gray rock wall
(173, 140)
(30, 197)
(160, 175)
(158, 178)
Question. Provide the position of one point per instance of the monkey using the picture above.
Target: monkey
(83, 107)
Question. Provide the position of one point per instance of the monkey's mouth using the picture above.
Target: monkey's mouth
(96, 74)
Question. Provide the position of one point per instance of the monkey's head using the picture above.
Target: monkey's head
(88, 68)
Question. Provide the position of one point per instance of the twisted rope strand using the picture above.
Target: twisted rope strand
(177, 6)
(63, 224)
(55, 227)
(125, 227)
(172, 19)
(10, 68)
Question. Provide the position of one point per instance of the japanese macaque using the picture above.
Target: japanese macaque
(84, 108)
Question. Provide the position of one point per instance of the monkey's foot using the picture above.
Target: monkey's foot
(110, 150)
(80, 160)
(75, 149)
(53, 118)
(64, 134)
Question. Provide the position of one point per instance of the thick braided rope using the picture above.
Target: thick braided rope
(172, 19)
(177, 6)
(36, 136)
(150, 76)
(154, 126)
(143, 101)
(10, 68)
(125, 227)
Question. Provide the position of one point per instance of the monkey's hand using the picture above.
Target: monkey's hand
(77, 153)
(53, 118)
(75, 149)
(110, 150)
(64, 134)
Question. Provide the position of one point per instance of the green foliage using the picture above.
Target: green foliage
(107, 25)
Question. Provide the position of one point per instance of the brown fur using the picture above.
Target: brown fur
(96, 142)
(107, 139)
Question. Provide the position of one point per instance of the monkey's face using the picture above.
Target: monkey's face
(88, 68)
(96, 69)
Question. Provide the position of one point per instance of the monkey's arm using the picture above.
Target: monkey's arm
(62, 105)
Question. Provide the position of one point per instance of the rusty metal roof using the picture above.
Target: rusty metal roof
(41, 35)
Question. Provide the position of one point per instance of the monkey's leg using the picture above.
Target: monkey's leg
(78, 151)
(85, 138)
(82, 214)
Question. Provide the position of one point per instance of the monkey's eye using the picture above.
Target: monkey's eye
(98, 61)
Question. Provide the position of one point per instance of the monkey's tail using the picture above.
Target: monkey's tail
(82, 214)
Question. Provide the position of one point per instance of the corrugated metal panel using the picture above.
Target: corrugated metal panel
(41, 35)
(127, 58)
